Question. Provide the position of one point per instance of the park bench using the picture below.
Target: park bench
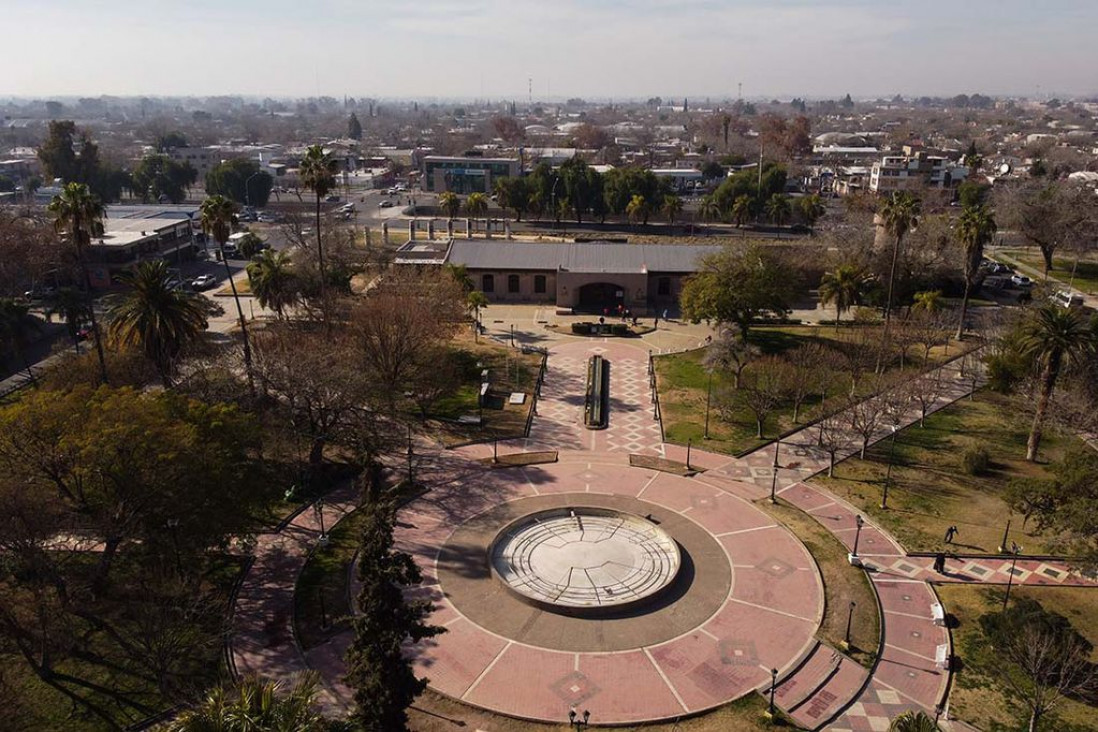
(941, 656)
(937, 612)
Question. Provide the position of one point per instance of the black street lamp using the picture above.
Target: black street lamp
(708, 397)
(1006, 535)
(773, 686)
(1015, 550)
(888, 473)
(849, 618)
(689, 444)
(318, 509)
(774, 472)
(859, 522)
(577, 722)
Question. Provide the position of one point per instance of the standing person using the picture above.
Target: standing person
(665, 313)
(939, 563)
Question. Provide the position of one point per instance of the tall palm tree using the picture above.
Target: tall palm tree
(672, 206)
(913, 722)
(741, 210)
(709, 210)
(476, 205)
(218, 214)
(975, 229)
(450, 204)
(317, 173)
(637, 209)
(812, 209)
(255, 705)
(475, 300)
(155, 316)
(1052, 336)
(899, 215)
(778, 209)
(845, 286)
(79, 213)
(273, 282)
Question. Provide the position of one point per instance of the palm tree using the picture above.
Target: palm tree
(273, 282)
(1054, 335)
(928, 301)
(476, 300)
(672, 206)
(845, 287)
(155, 316)
(257, 706)
(913, 722)
(812, 209)
(778, 209)
(741, 210)
(460, 274)
(450, 204)
(79, 213)
(899, 215)
(637, 209)
(218, 214)
(477, 205)
(709, 210)
(975, 229)
(317, 173)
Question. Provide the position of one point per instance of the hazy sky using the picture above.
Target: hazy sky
(592, 48)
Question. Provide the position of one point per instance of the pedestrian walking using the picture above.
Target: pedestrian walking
(940, 563)
(665, 313)
(950, 533)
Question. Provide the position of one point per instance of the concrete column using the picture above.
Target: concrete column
(449, 228)
(469, 228)
(487, 228)
(507, 229)
(412, 230)
(430, 228)
(385, 232)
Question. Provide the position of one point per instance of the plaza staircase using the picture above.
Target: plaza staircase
(824, 684)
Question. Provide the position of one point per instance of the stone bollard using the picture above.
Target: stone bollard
(412, 230)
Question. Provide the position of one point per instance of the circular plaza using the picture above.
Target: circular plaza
(639, 594)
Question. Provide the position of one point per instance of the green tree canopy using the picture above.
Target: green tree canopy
(354, 127)
(240, 180)
(739, 284)
(158, 176)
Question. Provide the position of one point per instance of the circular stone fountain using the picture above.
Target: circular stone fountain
(584, 560)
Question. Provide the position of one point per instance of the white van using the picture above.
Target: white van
(1066, 299)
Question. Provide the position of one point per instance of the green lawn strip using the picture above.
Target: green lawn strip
(931, 491)
(509, 370)
(1086, 273)
(978, 695)
(683, 384)
(321, 596)
(842, 584)
(40, 707)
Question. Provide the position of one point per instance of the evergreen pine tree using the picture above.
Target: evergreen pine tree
(377, 669)
(354, 127)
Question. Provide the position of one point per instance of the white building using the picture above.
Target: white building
(907, 173)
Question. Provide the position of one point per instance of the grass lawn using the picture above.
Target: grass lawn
(1086, 273)
(33, 705)
(435, 713)
(322, 594)
(683, 384)
(842, 584)
(978, 696)
(509, 369)
(931, 491)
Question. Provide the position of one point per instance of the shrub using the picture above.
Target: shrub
(976, 460)
(619, 329)
(581, 328)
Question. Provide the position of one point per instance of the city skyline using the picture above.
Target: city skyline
(515, 50)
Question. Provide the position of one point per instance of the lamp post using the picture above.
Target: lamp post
(689, 443)
(774, 472)
(773, 686)
(859, 522)
(849, 618)
(247, 188)
(888, 473)
(576, 721)
(1015, 550)
(708, 396)
(1006, 535)
(318, 509)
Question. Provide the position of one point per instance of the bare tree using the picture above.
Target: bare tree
(730, 352)
(1044, 668)
(925, 391)
(834, 436)
(866, 417)
(764, 391)
(802, 371)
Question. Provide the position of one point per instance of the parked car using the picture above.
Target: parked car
(385, 204)
(1066, 299)
(999, 268)
(1021, 281)
(333, 198)
(203, 282)
(229, 250)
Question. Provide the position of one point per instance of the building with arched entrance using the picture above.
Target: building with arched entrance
(582, 277)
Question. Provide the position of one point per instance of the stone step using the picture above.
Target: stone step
(834, 695)
(809, 676)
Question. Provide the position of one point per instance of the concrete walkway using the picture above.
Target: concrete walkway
(824, 689)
